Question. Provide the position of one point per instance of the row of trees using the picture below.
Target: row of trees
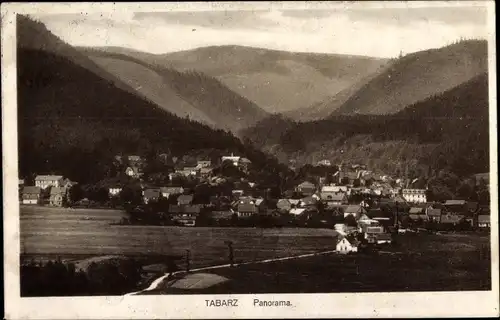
(55, 278)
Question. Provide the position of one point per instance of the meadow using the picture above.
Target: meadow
(419, 262)
(75, 234)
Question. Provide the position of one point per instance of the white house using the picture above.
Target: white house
(334, 189)
(345, 246)
(415, 195)
(114, 191)
(324, 162)
(297, 211)
(45, 181)
(235, 160)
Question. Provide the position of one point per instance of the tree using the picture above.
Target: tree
(356, 183)
(131, 194)
(75, 193)
(350, 221)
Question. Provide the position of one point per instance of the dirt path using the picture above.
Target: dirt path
(156, 284)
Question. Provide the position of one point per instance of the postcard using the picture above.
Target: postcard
(249, 160)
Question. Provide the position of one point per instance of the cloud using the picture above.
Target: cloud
(375, 32)
(210, 19)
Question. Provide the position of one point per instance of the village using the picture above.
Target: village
(365, 209)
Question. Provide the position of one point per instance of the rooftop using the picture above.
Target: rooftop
(48, 177)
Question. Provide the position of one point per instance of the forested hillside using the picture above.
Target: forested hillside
(189, 93)
(73, 122)
(447, 131)
(417, 76)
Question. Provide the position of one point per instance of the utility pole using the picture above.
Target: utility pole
(396, 217)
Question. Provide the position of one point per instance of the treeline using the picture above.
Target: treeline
(56, 278)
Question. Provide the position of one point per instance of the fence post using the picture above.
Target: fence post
(187, 259)
(231, 252)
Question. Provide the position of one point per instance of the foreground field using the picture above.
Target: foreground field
(74, 234)
(423, 262)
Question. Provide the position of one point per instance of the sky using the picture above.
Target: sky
(358, 31)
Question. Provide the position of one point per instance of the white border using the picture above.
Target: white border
(431, 304)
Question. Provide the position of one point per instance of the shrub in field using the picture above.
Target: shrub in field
(58, 279)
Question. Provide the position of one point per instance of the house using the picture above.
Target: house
(375, 234)
(133, 160)
(380, 216)
(235, 160)
(383, 238)
(297, 211)
(58, 196)
(246, 208)
(166, 192)
(114, 191)
(174, 209)
(150, 195)
(354, 210)
(483, 221)
(308, 202)
(45, 181)
(346, 244)
(455, 207)
(187, 215)
(333, 198)
(222, 215)
(434, 214)
(416, 212)
(133, 172)
(191, 171)
(237, 193)
(185, 199)
(206, 173)
(31, 195)
(451, 219)
(203, 164)
(324, 162)
(415, 195)
(306, 188)
(284, 205)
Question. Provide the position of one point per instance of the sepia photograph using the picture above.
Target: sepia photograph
(261, 149)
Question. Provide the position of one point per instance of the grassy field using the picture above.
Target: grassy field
(423, 262)
(74, 234)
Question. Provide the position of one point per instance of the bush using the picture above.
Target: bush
(113, 277)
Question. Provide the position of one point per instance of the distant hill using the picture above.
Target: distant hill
(324, 108)
(72, 119)
(187, 94)
(277, 81)
(449, 130)
(417, 76)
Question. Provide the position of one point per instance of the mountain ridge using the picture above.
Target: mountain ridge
(417, 76)
(274, 80)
